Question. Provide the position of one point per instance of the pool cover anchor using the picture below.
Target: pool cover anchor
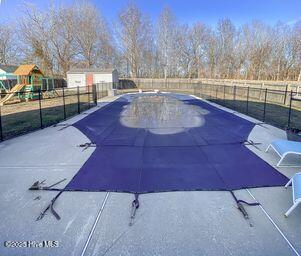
(242, 209)
(262, 125)
(64, 126)
(38, 185)
(252, 143)
(50, 206)
(87, 145)
(135, 206)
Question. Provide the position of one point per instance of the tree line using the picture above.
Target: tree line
(65, 36)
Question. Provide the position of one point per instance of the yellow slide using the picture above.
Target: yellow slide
(10, 94)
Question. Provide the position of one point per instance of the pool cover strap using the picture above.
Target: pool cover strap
(252, 143)
(50, 206)
(241, 208)
(38, 185)
(63, 126)
(87, 145)
(242, 201)
(135, 206)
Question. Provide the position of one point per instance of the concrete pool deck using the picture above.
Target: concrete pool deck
(173, 223)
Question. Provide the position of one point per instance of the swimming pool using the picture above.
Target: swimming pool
(162, 142)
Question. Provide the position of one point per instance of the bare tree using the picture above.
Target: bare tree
(62, 36)
(257, 36)
(226, 34)
(134, 34)
(211, 54)
(296, 49)
(92, 36)
(78, 35)
(8, 46)
(197, 39)
(34, 34)
(166, 28)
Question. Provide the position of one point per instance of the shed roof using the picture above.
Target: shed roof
(91, 70)
(8, 68)
(25, 70)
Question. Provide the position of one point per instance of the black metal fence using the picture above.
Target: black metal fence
(38, 109)
(31, 110)
(7, 84)
(276, 107)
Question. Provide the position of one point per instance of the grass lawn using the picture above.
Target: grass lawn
(24, 117)
(276, 115)
(20, 118)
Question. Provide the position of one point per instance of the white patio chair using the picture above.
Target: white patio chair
(296, 189)
(284, 148)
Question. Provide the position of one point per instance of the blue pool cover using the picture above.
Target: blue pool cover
(167, 142)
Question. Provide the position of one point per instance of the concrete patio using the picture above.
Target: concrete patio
(173, 223)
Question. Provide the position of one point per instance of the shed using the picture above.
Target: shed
(6, 72)
(87, 77)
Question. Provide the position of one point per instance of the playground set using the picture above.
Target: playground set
(30, 80)
(7, 78)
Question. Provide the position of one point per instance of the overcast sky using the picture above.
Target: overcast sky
(187, 11)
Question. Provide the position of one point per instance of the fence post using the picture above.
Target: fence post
(1, 128)
(234, 96)
(40, 109)
(200, 89)
(262, 85)
(224, 99)
(216, 93)
(97, 90)
(194, 90)
(94, 94)
(290, 111)
(78, 101)
(89, 95)
(248, 95)
(265, 104)
(64, 104)
(285, 95)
